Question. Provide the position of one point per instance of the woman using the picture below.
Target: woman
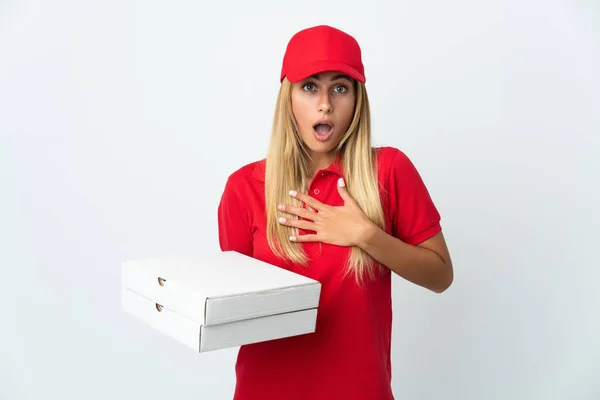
(327, 205)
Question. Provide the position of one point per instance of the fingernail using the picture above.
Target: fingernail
(293, 238)
(280, 207)
(281, 219)
(341, 182)
(293, 193)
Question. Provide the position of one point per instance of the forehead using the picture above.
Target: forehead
(330, 76)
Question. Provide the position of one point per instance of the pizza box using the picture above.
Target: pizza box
(219, 300)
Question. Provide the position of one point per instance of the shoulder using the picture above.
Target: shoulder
(392, 160)
(247, 173)
(242, 183)
(397, 172)
(409, 204)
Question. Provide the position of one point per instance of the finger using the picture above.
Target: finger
(343, 191)
(299, 211)
(311, 201)
(311, 237)
(306, 225)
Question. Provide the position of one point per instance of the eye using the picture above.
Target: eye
(343, 89)
(309, 87)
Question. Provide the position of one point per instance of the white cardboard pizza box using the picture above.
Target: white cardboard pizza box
(220, 299)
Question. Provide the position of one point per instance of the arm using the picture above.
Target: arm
(415, 249)
(427, 264)
(234, 228)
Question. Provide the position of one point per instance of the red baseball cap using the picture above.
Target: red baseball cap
(319, 49)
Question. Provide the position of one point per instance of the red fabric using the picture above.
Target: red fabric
(348, 357)
(322, 48)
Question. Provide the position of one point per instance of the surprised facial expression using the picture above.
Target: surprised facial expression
(323, 106)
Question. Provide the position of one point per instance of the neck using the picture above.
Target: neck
(320, 161)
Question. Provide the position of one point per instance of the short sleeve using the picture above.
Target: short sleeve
(235, 231)
(413, 214)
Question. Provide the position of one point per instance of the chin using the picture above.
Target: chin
(317, 147)
(321, 147)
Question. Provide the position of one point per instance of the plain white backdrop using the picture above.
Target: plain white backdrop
(120, 122)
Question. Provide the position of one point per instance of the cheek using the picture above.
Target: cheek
(302, 113)
(346, 111)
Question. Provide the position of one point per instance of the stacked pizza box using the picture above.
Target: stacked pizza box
(219, 300)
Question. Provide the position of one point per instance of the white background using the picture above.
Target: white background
(120, 122)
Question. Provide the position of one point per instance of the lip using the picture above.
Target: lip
(323, 138)
(324, 122)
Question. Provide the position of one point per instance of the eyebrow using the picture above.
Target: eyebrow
(340, 76)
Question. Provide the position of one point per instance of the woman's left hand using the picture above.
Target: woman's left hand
(338, 225)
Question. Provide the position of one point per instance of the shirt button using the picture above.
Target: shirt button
(317, 191)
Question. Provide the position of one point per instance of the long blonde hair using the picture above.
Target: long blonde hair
(287, 166)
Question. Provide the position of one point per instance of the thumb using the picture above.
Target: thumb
(343, 191)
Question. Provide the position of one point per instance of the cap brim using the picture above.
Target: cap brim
(309, 69)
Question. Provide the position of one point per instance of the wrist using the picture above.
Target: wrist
(366, 234)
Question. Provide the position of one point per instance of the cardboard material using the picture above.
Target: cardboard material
(219, 300)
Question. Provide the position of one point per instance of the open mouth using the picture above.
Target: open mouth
(323, 131)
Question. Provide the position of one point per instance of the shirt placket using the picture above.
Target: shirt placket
(315, 190)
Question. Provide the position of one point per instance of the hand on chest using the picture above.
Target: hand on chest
(322, 188)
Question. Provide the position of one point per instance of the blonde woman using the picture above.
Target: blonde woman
(327, 205)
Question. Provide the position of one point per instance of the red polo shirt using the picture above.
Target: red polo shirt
(348, 357)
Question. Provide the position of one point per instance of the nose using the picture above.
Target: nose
(325, 103)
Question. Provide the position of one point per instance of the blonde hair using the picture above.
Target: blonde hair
(287, 166)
